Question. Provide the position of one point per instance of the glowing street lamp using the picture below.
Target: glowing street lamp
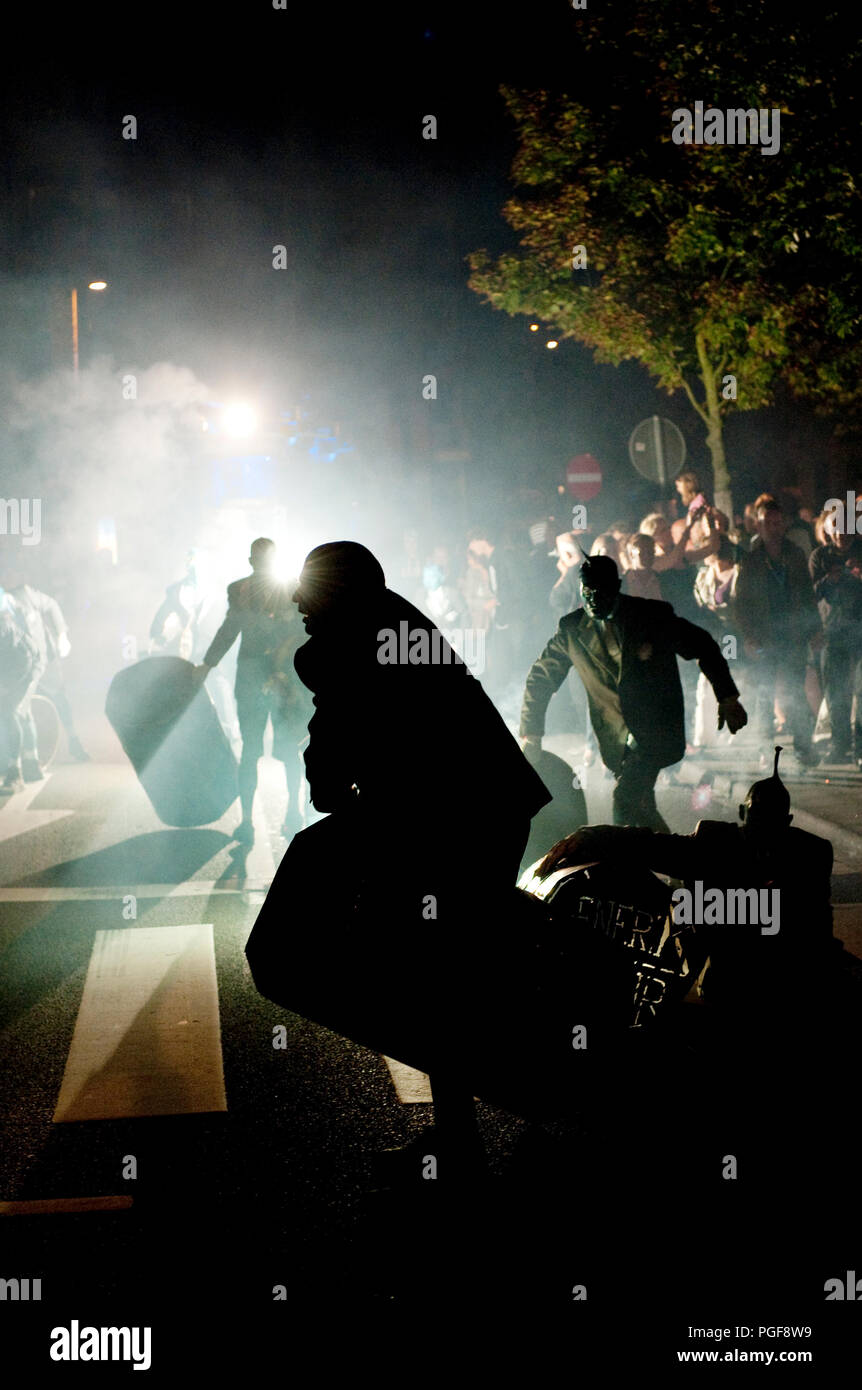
(552, 343)
(239, 420)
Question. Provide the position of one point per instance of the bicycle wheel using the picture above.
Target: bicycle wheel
(47, 722)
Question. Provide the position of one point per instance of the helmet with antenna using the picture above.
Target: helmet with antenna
(766, 809)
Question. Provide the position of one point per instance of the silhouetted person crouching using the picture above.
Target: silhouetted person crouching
(366, 927)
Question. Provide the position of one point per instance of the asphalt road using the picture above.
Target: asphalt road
(281, 1191)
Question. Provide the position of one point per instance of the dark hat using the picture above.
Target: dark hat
(341, 568)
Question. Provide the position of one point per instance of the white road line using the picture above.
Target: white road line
(413, 1087)
(192, 888)
(147, 1039)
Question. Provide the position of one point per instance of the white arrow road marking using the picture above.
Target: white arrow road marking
(16, 818)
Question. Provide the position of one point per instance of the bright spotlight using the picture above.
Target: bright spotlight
(287, 563)
(239, 420)
(551, 343)
(534, 328)
(98, 285)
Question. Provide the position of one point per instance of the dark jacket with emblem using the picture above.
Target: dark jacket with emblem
(645, 697)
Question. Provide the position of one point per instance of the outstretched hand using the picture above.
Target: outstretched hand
(731, 713)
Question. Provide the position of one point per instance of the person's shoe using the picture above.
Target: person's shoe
(244, 833)
(77, 750)
(31, 770)
(806, 757)
(13, 781)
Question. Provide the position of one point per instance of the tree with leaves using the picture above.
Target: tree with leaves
(724, 270)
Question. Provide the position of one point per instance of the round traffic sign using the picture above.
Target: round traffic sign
(657, 449)
(584, 477)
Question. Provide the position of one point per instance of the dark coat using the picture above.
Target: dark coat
(839, 601)
(752, 600)
(647, 700)
(420, 739)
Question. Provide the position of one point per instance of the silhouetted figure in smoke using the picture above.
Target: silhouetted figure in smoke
(173, 631)
(779, 621)
(261, 610)
(52, 633)
(22, 665)
(421, 777)
(43, 618)
(624, 650)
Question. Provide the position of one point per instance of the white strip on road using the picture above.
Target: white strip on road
(147, 1038)
(413, 1087)
(192, 888)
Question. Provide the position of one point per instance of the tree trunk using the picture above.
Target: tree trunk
(714, 431)
(720, 475)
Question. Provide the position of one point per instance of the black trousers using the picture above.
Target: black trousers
(634, 793)
(254, 708)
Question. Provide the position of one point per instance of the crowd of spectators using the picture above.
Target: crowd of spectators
(778, 587)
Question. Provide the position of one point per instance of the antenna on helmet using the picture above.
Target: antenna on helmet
(775, 764)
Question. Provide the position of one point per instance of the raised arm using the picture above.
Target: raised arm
(226, 635)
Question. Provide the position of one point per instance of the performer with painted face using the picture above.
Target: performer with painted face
(624, 650)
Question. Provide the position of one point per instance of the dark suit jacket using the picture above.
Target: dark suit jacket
(647, 700)
(261, 609)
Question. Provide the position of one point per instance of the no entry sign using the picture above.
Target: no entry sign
(584, 477)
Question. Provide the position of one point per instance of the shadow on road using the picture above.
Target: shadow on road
(165, 856)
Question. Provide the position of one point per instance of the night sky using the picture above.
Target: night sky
(259, 127)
